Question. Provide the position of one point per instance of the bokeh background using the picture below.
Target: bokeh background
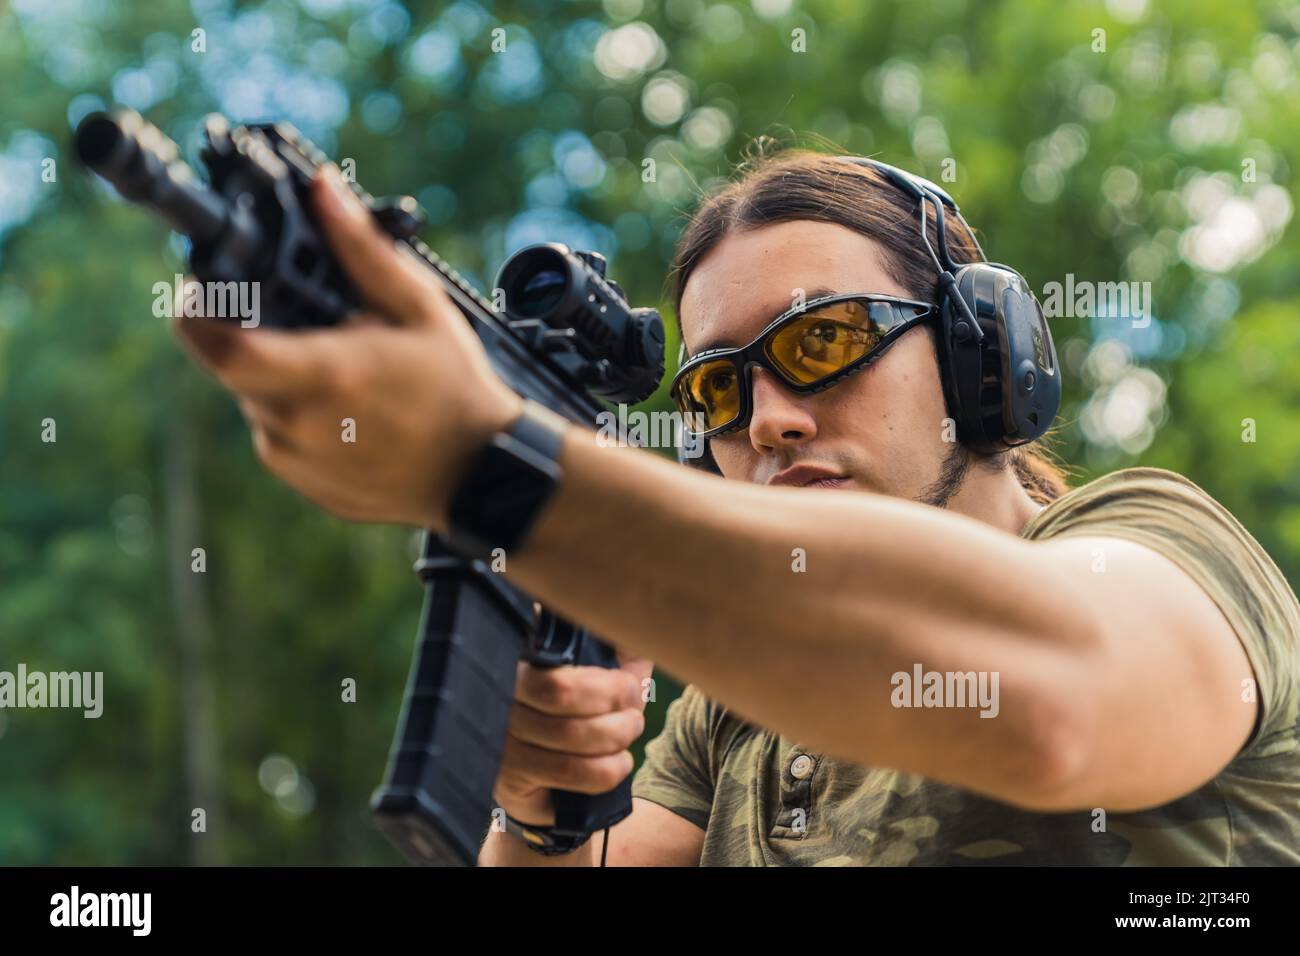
(1168, 156)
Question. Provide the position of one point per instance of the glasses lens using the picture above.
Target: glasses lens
(829, 338)
(708, 395)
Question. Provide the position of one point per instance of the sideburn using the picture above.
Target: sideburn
(953, 472)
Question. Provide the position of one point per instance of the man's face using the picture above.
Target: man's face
(882, 428)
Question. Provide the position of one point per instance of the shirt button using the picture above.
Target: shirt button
(802, 767)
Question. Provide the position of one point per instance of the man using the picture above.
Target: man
(1134, 648)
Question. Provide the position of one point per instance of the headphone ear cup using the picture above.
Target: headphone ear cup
(1032, 384)
(961, 362)
(1006, 389)
(948, 375)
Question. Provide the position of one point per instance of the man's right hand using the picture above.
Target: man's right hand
(570, 729)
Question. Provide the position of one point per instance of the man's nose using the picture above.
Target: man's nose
(780, 416)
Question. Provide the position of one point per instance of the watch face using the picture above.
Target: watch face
(501, 497)
(510, 485)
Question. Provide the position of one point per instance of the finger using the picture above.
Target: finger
(639, 667)
(385, 272)
(276, 418)
(524, 765)
(209, 343)
(262, 362)
(589, 736)
(273, 449)
(642, 670)
(182, 304)
(576, 691)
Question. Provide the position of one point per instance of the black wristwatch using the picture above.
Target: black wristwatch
(543, 839)
(505, 490)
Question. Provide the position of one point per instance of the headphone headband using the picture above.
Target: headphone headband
(908, 182)
(920, 189)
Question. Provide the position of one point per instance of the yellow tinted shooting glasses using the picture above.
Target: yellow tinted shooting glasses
(809, 348)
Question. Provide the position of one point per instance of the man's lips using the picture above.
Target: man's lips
(808, 476)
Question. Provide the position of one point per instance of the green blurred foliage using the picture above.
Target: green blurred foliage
(1125, 163)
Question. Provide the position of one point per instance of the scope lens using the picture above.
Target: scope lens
(540, 293)
(535, 282)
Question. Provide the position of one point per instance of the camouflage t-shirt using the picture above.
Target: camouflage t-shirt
(763, 800)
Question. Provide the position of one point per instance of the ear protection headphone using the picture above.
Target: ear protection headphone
(997, 360)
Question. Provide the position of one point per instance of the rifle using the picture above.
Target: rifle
(565, 337)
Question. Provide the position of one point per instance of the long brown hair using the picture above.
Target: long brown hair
(796, 184)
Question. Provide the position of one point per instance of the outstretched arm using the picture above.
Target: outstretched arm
(1117, 689)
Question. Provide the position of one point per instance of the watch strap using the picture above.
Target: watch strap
(501, 496)
(543, 839)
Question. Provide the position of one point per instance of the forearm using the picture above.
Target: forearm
(699, 575)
